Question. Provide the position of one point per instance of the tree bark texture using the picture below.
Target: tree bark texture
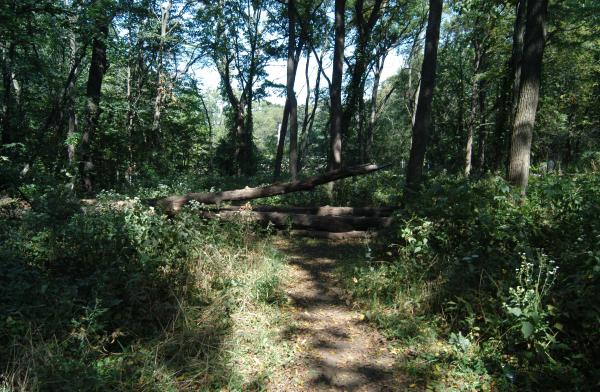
(98, 66)
(290, 111)
(517, 55)
(474, 114)
(281, 139)
(516, 67)
(335, 132)
(507, 99)
(422, 125)
(531, 72)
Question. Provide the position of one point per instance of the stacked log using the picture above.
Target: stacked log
(331, 223)
(320, 221)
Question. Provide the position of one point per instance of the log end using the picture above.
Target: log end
(172, 204)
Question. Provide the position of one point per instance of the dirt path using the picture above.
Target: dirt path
(335, 350)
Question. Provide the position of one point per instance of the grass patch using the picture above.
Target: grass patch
(131, 300)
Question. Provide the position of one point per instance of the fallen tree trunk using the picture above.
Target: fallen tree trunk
(321, 211)
(331, 236)
(335, 224)
(173, 204)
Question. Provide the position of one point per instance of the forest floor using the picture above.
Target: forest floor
(335, 349)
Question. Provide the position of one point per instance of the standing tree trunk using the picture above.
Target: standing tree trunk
(335, 131)
(291, 76)
(161, 85)
(8, 54)
(70, 104)
(481, 129)
(293, 137)
(282, 132)
(69, 94)
(246, 163)
(240, 134)
(531, 72)
(364, 27)
(507, 100)
(517, 55)
(303, 136)
(309, 119)
(516, 66)
(422, 124)
(373, 107)
(290, 111)
(473, 120)
(98, 66)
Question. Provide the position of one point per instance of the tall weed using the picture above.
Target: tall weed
(120, 297)
(491, 290)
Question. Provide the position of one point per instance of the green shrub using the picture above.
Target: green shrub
(510, 285)
(120, 297)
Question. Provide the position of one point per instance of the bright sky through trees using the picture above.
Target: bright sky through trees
(209, 77)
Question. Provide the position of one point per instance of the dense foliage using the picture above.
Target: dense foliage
(483, 288)
(122, 101)
(130, 300)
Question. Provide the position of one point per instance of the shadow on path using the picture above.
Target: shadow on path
(335, 349)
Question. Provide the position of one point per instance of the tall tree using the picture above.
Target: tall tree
(335, 94)
(373, 110)
(8, 84)
(308, 120)
(362, 57)
(474, 115)
(290, 111)
(480, 15)
(165, 14)
(233, 36)
(517, 55)
(509, 90)
(422, 123)
(98, 67)
(531, 72)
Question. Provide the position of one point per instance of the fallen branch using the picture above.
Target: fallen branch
(331, 236)
(321, 211)
(173, 204)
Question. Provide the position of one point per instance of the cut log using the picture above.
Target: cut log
(335, 224)
(175, 203)
(331, 236)
(321, 211)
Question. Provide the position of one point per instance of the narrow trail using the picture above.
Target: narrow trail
(335, 350)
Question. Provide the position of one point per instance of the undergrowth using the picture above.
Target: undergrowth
(479, 289)
(124, 298)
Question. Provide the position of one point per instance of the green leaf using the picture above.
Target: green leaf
(515, 311)
(527, 329)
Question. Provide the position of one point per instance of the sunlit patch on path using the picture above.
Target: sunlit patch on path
(335, 349)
